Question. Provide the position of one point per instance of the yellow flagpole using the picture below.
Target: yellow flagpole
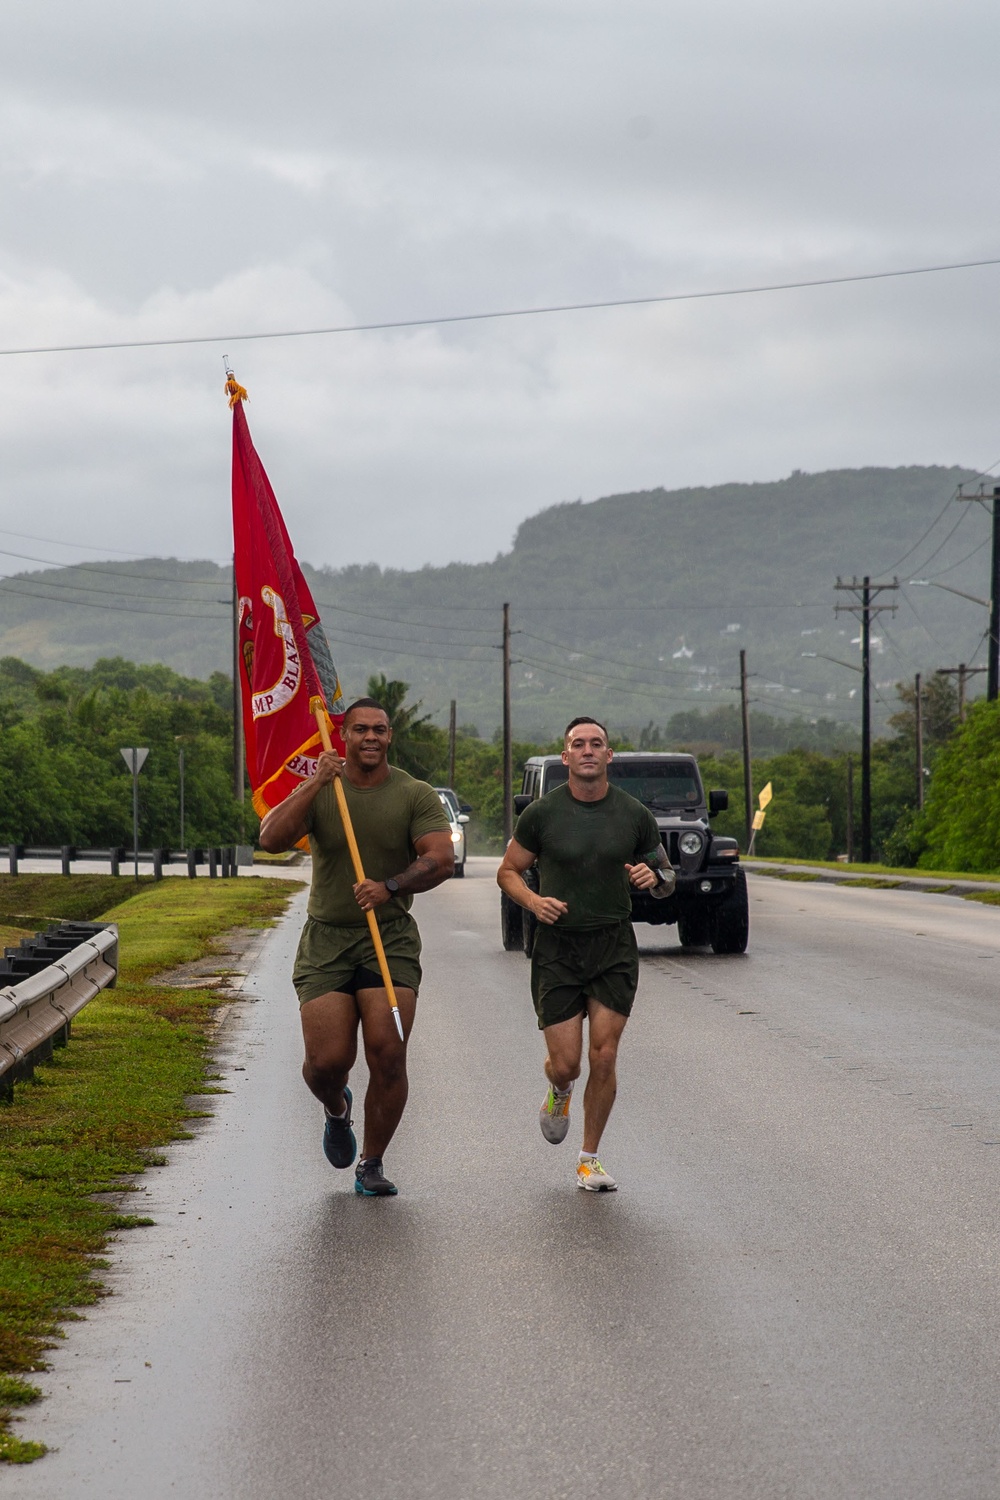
(319, 712)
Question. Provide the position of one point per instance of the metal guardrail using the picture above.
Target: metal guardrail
(36, 1011)
(222, 860)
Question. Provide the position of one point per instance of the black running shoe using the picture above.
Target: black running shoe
(340, 1145)
(371, 1182)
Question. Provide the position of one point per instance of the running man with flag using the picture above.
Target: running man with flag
(316, 770)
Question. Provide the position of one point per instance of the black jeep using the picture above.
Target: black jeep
(709, 904)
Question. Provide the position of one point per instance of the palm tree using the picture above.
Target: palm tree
(415, 746)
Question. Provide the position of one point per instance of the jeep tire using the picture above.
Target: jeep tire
(511, 929)
(694, 929)
(730, 919)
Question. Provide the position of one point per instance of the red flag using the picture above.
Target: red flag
(286, 662)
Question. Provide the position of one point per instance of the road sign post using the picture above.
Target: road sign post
(135, 758)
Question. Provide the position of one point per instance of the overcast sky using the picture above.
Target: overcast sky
(189, 169)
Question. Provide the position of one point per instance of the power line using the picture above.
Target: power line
(514, 312)
(909, 553)
(734, 606)
(941, 545)
(87, 588)
(374, 635)
(610, 661)
(952, 566)
(487, 609)
(585, 675)
(114, 609)
(924, 627)
(206, 583)
(392, 650)
(364, 614)
(27, 536)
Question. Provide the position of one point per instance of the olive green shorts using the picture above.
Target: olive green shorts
(329, 957)
(569, 967)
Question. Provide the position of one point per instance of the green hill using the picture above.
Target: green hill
(636, 605)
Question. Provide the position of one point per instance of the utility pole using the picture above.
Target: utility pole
(850, 809)
(963, 673)
(993, 659)
(180, 771)
(451, 744)
(918, 725)
(865, 593)
(508, 765)
(747, 779)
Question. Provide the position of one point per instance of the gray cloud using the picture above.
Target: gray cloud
(184, 169)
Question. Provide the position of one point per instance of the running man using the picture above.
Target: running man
(591, 841)
(405, 842)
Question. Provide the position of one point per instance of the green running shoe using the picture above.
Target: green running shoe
(553, 1117)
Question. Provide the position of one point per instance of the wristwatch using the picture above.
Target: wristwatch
(391, 885)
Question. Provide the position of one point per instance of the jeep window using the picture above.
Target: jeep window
(555, 774)
(660, 785)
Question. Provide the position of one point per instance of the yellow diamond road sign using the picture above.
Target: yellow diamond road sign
(765, 797)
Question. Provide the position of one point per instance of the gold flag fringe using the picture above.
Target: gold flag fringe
(234, 391)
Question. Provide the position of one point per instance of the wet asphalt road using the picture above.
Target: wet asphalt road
(795, 1292)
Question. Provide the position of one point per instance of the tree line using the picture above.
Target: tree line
(64, 779)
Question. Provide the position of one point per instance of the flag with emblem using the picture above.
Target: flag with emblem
(285, 665)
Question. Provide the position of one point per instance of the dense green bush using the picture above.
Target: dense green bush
(63, 776)
(959, 828)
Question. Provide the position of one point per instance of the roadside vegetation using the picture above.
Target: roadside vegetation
(125, 1086)
(60, 734)
(65, 781)
(958, 828)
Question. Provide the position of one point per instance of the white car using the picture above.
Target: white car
(457, 817)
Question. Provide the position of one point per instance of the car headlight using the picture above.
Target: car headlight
(690, 843)
(456, 838)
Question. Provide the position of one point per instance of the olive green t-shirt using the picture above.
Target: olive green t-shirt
(388, 819)
(583, 848)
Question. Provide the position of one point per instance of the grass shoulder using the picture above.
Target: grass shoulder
(889, 871)
(95, 1115)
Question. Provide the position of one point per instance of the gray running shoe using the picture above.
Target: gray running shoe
(370, 1181)
(591, 1176)
(339, 1144)
(553, 1116)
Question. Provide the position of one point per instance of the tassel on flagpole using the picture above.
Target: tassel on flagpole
(234, 390)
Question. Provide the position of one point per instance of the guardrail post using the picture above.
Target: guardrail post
(66, 854)
(192, 863)
(14, 851)
(213, 863)
(77, 960)
(157, 864)
(115, 859)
